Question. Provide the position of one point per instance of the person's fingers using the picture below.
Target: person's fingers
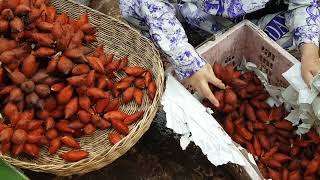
(217, 82)
(307, 77)
(206, 92)
(315, 72)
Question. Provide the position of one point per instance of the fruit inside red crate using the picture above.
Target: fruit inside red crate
(263, 130)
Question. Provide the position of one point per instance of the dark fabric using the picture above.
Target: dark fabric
(272, 7)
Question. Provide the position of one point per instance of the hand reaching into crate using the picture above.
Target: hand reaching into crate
(200, 82)
(310, 62)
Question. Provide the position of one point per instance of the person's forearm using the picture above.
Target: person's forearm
(169, 35)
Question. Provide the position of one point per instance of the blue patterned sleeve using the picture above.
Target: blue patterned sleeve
(303, 19)
(167, 32)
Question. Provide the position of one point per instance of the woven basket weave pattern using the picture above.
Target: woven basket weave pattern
(122, 40)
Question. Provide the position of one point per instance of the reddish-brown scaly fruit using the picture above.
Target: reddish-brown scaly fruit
(264, 141)
(29, 66)
(274, 174)
(152, 89)
(84, 116)
(284, 124)
(277, 113)
(262, 116)
(238, 139)
(74, 155)
(84, 102)
(313, 166)
(250, 148)
(257, 146)
(102, 104)
(65, 95)
(128, 94)
(57, 87)
(64, 127)
(71, 108)
(114, 137)
(34, 124)
(5, 147)
(238, 83)
(133, 118)
(96, 93)
(245, 133)
(55, 145)
(218, 70)
(17, 149)
(134, 71)
(6, 135)
(113, 105)
(228, 125)
(70, 142)
(52, 134)
(80, 69)
(115, 115)
(281, 158)
(19, 136)
(250, 113)
(138, 96)
(295, 175)
(32, 150)
(120, 126)
(89, 129)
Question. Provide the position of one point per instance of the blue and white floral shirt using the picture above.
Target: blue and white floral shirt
(159, 19)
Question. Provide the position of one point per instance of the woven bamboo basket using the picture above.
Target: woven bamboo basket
(121, 39)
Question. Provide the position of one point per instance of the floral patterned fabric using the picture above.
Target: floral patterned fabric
(159, 19)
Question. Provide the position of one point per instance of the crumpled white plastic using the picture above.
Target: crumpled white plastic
(304, 100)
(187, 116)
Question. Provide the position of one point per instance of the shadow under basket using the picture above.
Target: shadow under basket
(246, 40)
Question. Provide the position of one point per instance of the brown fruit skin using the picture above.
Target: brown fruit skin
(84, 116)
(120, 126)
(55, 145)
(80, 69)
(29, 66)
(102, 104)
(52, 134)
(32, 150)
(42, 90)
(71, 108)
(96, 93)
(65, 65)
(74, 155)
(152, 89)
(133, 118)
(65, 95)
(89, 129)
(19, 136)
(6, 135)
(17, 149)
(128, 94)
(84, 102)
(230, 97)
(70, 142)
(138, 96)
(134, 71)
(114, 137)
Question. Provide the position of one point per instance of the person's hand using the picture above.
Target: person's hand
(310, 62)
(199, 81)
